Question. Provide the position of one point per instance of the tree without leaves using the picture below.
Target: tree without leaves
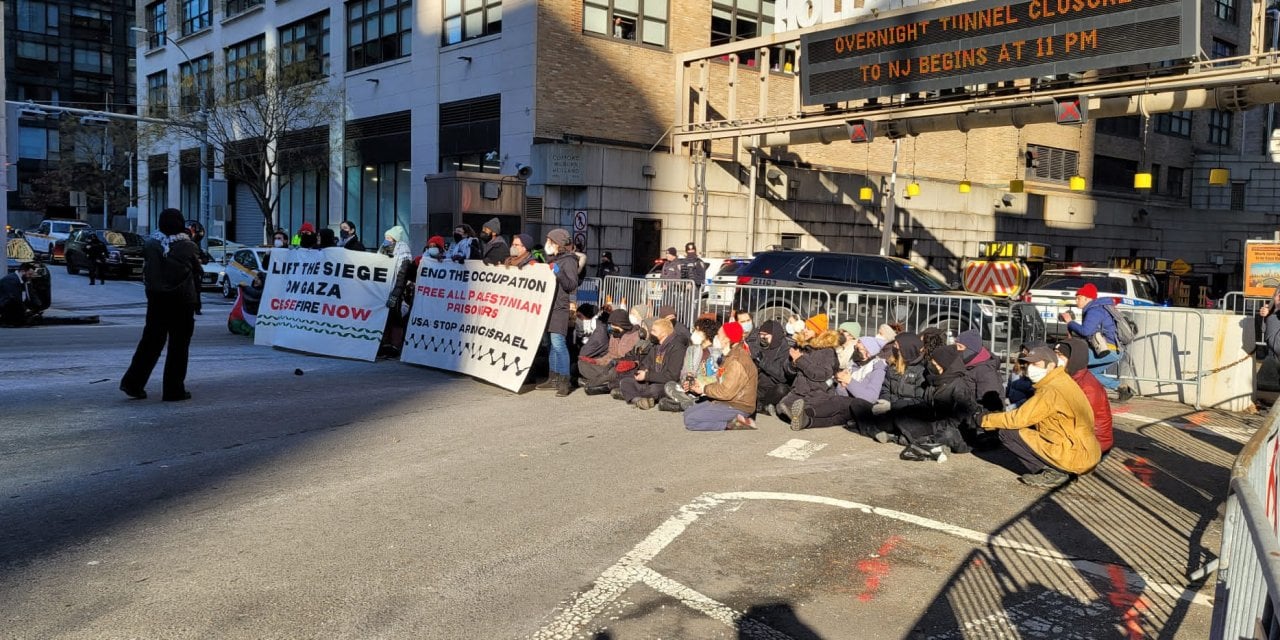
(252, 122)
(84, 164)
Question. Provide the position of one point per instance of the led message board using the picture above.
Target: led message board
(989, 41)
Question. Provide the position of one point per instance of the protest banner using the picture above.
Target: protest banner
(479, 320)
(331, 301)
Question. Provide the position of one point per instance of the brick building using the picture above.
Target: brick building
(534, 111)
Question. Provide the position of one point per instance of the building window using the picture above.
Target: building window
(304, 49)
(157, 24)
(1237, 195)
(37, 143)
(467, 19)
(37, 17)
(91, 19)
(36, 51)
(378, 179)
(378, 32)
(1113, 174)
(240, 6)
(1225, 10)
(196, 84)
(790, 240)
(1123, 126)
(1220, 128)
(245, 65)
(158, 95)
(470, 131)
(732, 21)
(196, 15)
(1051, 163)
(1173, 181)
(157, 186)
(1176, 123)
(1222, 49)
(90, 60)
(640, 20)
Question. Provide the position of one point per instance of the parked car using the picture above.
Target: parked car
(17, 252)
(50, 236)
(221, 249)
(722, 285)
(1055, 291)
(779, 284)
(245, 264)
(124, 252)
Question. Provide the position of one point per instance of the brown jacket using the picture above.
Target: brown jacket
(737, 383)
(1056, 423)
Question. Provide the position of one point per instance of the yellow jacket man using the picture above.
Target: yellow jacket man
(1052, 432)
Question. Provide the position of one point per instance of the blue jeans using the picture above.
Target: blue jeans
(558, 354)
(1098, 364)
(710, 416)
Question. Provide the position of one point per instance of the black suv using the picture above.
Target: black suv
(874, 290)
(124, 251)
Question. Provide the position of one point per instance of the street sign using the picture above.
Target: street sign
(1180, 267)
(989, 41)
(861, 130)
(580, 240)
(579, 220)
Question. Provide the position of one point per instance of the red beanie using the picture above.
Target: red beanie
(732, 331)
(436, 240)
(306, 228)
(1088, 290)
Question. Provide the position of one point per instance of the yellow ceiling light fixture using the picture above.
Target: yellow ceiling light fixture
(1219, 176)
(913, 187)
(965, 186)
(865, 194)
(1142, 180)
(1076, 182)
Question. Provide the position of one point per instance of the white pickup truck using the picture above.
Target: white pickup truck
(48, 239)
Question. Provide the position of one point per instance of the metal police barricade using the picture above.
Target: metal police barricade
(1002, 325)
(1167, 352)
(1236, 302)
(1248, 562)
(648, 294)
(781, 304)
(588, 292)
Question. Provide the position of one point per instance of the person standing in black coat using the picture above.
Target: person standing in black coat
(564, 264)
(347, 238)
(96, 251)
(171, 274)
(606, 267)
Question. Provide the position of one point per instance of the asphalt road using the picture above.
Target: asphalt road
(382, 500)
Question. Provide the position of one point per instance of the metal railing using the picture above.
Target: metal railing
(1168, 351)
(650, 293)
(588, 292)
(1248, 562)
(1236, 302)
(782, 304)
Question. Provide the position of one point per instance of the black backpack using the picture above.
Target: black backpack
(1126, 329)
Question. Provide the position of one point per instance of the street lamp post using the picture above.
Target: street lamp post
(202, 124)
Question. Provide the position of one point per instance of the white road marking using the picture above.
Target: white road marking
(796, 449)
(633, 567)
(711, 608)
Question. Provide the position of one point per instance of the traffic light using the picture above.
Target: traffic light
(1070, 110)
(861, 130)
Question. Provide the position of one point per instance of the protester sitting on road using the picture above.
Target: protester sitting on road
(1073, 356)
(776, 370)
(661, 365)
(887, 333)
(326, 238)
(902, 393)
(816, 364)
(280, 239)
(701, 360)
(849, 334)
(563, 264)
(307, 236)
(592, 329)
(857, 389)
(669, 312)
(983, 369)
(948, 414)
(600, 373)
(19, 305)
(1103, 351)
(519, 251)
(1052, 432)
(1020, 386)
(465, 244)
(733, 395)
(495, 249)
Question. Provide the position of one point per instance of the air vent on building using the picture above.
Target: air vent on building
(468, 111)
(389, 124)
(532, 209)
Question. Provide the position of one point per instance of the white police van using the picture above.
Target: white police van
(1055, 291)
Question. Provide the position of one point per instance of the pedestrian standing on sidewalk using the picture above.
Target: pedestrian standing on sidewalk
(96, 251)
(171, 273)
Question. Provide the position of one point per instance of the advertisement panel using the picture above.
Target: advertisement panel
(1261, 268)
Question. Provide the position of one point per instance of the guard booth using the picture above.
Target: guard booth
(461, 197)
(1005, 269)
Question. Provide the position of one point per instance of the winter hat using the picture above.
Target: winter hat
(526, 240)
(972, 342)
(732, 331)
(620, 318)
(911, 347)
(559, 236)
(852, 328)
(817, 323)
(435, 241)
(306, 227)
(872, 344)
(671, 251)
(397, 233)
(1040, 354)
(171, 222)
(1088, 290)
(887, 333)
(494, 225)
(666, 310)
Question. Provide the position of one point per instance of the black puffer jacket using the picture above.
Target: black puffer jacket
(906, 389)
(816, 367)
(565, 267)
(984, 371)
(774, 362)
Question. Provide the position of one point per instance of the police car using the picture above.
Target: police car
(1055, 291)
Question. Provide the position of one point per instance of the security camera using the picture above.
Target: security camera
(523, 170)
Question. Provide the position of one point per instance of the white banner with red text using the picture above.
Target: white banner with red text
(326, 301)
(480, 320)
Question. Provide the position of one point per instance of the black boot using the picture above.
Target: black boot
(597, 390)
(564, 387)
(552, 382)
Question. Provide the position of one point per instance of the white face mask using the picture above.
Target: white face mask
(635, 319)
(550, 249)
(746, 327)
(279, 242)
(699, 338)
(794, 327)
(719, 344)
(1036, 373)
(433, 251)
(1062, 362)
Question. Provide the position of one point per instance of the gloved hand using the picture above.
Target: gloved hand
(458, 259)
(880, 407)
